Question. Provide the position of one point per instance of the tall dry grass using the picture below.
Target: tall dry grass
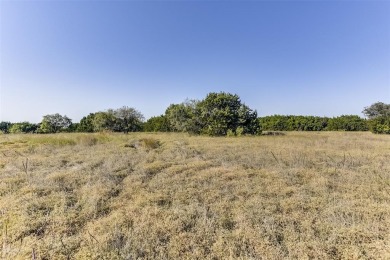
(172, 196)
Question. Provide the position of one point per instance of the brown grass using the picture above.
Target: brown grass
(172, 196)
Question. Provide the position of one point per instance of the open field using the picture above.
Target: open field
(310, 195)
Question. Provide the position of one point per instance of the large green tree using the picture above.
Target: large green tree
(103, 121)
(127, 119)
(182, 117)
(54, 123)
(124, 119)
(86, 124)
(220, 112)
(379, 117)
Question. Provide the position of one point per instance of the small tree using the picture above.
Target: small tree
(54, 123)
(128, 119)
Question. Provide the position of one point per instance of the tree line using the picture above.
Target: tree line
(218, 114)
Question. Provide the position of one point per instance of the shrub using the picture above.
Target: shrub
(157, 124)
(239, 131)
(23, 127)
(380, 125)
(230, 133)
(4, 127)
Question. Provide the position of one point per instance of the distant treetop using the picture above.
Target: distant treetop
(376, 110)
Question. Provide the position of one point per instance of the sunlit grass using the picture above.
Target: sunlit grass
(173, 196)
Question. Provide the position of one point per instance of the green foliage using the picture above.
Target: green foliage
(378, 109)
(127, 119)
(219, 112)
(72, 128)
(5, 126)
(247, 121)
(379, 115)
(54, 123)
(293, 123)
(124, 119)
(157, 124)
(86, 124)
(103, 121)
(380, 125)
(313, 123)
(230, 133)
(347, 123)
(23, 127)
(181, 117)
(215, 115)
(239, 131)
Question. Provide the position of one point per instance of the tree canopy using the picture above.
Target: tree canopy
(215, 115)
(23, 127)
(124, 119)
(54, 123)
(127, 119)
(5, 126)
(218, 114)
(181, 117)
(157, 124)
(86, 124)
(376, 110)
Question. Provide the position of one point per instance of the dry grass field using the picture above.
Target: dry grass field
(173, 196)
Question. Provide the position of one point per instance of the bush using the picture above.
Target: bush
(5, 126)
(23, 127)
(157, 124)
(239, 131)
(230, 133)
(347, 123)
(313, 123)
(293, 123)
(380, 125)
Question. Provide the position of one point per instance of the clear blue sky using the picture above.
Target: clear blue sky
(323, 58)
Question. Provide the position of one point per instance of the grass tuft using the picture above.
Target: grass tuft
(150, 143)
